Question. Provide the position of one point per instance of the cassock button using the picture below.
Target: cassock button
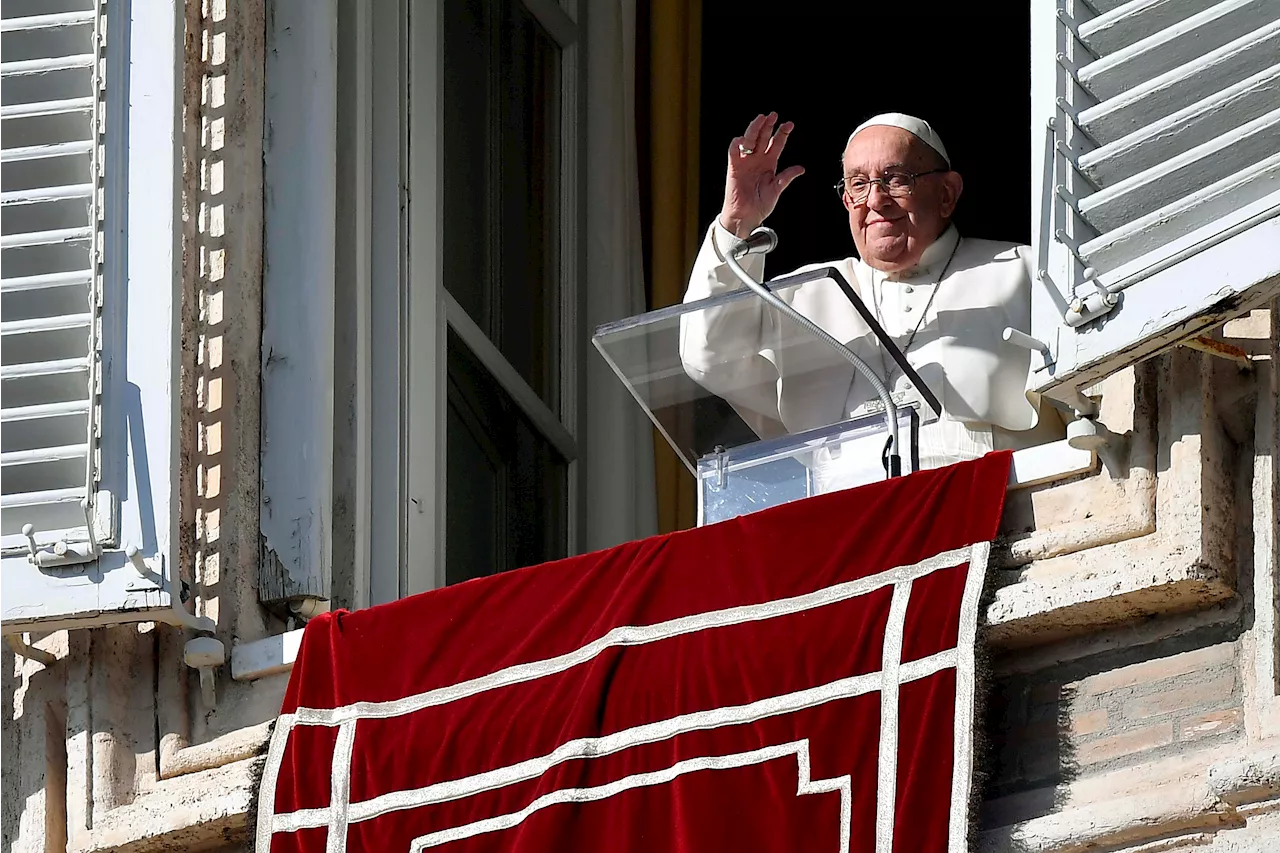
(908, 289)
(906, 308)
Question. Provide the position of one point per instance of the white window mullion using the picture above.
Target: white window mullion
(389, 316)
(426, 353)
(573, 313)
(299, 234)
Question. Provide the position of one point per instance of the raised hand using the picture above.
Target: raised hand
(753, 183)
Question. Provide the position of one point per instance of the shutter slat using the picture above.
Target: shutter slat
(46, 324)
(1163, 225)
(44, 454)
(1173, 135)
(1131, 22)
(1183, 175)
(44, 152)
(1167, 93)
(37, 195)
(1184, 42)
(44, 410)
(40, 282)
(44, 22)
(46, 496)
(46, 238)
(34, 369)
(48, 108)
(46, 64)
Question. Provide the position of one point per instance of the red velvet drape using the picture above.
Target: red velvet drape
(712, 689)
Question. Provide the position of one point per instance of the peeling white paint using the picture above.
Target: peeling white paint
(299, 163)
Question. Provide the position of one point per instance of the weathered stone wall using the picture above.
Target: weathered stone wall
(1141, 711)
(1104, 712)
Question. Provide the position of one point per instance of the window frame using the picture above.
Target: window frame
(390, 437)
(433, 311)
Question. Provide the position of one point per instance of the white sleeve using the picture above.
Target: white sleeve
(722, 348)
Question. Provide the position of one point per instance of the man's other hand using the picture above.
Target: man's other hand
(753, 183)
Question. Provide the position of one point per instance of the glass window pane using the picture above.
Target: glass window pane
(501, 182)
(471, 514)
(469, 173)
(507, 487)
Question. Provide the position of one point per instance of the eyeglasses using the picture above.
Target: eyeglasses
(898, 185)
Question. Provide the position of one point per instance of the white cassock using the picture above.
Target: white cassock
(743, 354)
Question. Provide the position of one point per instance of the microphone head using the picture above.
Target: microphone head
(761, 241)
(767, 237)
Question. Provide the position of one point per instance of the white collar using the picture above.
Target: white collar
(932, 262)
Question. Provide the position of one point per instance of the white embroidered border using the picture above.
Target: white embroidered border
(340, 788)
(597, 747)
(800, 749)
(887, 765)
(621, 636)
(629, 635)
(962, 740)
(270, 778)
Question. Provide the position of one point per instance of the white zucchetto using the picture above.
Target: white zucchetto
(916, 126)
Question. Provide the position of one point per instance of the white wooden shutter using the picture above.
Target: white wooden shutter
(49, 221)
(1156, 175)
(88, 265)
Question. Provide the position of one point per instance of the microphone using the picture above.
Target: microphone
(762, 241)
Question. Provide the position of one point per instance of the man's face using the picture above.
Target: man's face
(892, 232)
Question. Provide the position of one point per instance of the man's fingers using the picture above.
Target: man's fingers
(753, 130)
(779, 140)
(787, 175)
(756, 139)
(763, 132)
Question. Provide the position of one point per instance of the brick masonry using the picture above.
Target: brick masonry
(1091, 716)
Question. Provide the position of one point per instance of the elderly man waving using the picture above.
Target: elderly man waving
(945, 300)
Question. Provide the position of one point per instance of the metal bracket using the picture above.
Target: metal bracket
(21, 648)
(1071, 160)
(1071, 68)
(1022, 339)
(205, 654)
(1091, 307)
(1085, 433)
(722, 475)
(61, 553)
(152, 572)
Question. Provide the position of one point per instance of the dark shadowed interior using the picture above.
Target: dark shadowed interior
(827, 67)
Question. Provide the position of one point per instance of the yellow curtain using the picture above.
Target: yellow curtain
(674, 72)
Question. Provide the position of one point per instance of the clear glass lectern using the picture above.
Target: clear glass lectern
(760, 410)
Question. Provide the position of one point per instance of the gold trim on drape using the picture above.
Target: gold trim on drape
(675, 65)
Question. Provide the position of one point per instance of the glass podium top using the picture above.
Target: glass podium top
(711, 374)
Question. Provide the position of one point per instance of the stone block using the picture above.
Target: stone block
(1209, 724)
(1126, 743)
(1173, 666)
(1180, 696)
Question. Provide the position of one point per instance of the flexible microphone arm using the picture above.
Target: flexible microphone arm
(764, 240)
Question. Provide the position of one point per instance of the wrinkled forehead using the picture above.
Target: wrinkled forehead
(881, 147)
